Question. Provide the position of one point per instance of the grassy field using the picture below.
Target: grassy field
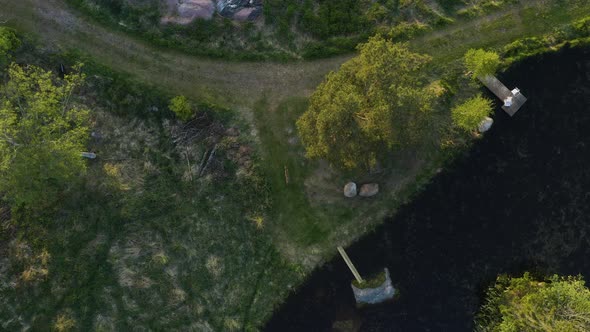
(153, 248)
(148, 241)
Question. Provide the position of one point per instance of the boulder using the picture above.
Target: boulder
(350, 189)
(369, 189)
(485, 124)
(89, 155)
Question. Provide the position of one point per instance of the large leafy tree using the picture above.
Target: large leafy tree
(374, 102)
(559, 304)
(41, 136)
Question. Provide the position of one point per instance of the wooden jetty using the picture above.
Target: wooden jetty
(513, 100)
(356, 273)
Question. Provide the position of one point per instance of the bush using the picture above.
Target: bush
(181, 107)
(8, 42)
(469, 115)
(525, 304)
(481, 63)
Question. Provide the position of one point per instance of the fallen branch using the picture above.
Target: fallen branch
(203, 160)
(286, 175)
(190, 171)
(208, 160)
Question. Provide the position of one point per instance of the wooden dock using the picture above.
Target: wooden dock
(512, 101)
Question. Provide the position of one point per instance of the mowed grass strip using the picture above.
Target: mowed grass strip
(278, 135)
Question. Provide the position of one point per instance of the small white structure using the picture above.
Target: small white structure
(508, 101)
(515, 92)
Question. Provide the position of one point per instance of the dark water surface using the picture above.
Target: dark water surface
(519, 201)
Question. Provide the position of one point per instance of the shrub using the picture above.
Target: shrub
(8, 42)
(181, 107)
(524, 304)
(470, 114)
(481, 63)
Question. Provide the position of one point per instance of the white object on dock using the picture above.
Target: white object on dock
(508, 101)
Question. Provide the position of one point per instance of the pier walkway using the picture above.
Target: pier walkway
(513, 100)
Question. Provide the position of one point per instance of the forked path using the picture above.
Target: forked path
(231, 83)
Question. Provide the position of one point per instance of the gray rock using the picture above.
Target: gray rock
(89, 155)
(485, 125)
(369, 189)
(350, 189)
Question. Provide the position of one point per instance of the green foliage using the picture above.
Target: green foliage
(43, 134)
(8, 41)
(138, 198)
(559, 304)
(576, 33)
(63, 323)
(481, 63)
(181, 107)
(374, 102)
(372, 282)
(292, 28)
(405, 31)
(469, 114)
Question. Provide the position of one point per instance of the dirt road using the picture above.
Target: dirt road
(232, 83)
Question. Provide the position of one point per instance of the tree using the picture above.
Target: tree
(374, 102)
(181, 107)
(41, 136)
(559, 304)
(8, 42)
(471, 113)
(481, 63)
